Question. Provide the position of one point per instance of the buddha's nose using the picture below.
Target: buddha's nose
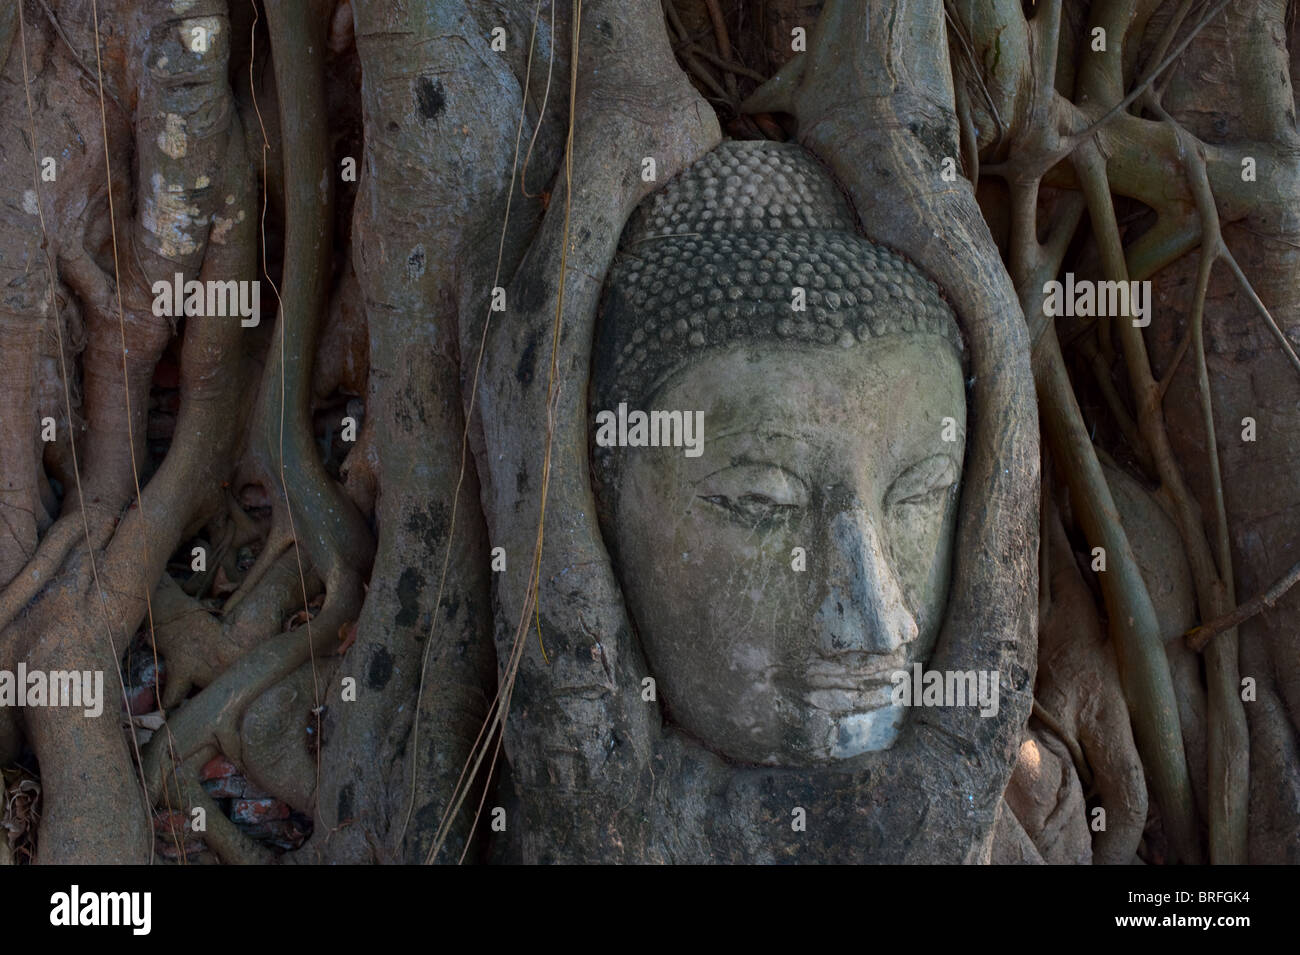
(864, 608)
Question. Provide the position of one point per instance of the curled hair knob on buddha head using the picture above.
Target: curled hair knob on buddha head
(715, 257)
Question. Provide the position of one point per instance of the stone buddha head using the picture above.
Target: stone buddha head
(783, 567)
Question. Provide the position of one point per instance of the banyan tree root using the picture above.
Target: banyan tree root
(95, 798)
(853, 116)
(634, 103)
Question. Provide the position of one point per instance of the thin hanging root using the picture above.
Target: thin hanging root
(739, 69)
(1135, 631)
(1199, 637)
(494, 725)
(1035, 166)
(1183, 344)
(697, 68)
(1228, 739)
(449, 815)
(1260, 307)
(724, 43)
(1101, 372)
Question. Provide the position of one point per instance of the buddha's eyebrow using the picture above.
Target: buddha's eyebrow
(756, 432)
(947, 456)
(746, 461)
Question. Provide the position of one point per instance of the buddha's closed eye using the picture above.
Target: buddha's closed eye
(754, 493)
(923, 482)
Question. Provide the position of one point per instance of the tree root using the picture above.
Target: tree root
(1199, 637)
(212, 717)
(221, 835)
(1229, 747)
(635, 102)
(198, 646)
(843, 112)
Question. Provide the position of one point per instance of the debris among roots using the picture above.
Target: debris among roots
(22, 814)
(316, 730)
(309, 613)
(176, 841)
(143, 676)
(260, 816)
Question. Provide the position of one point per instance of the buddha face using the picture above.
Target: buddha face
(779, 578)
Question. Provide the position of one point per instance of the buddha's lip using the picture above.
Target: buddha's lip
(836, 675)
(850, 680)
(838, 702)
